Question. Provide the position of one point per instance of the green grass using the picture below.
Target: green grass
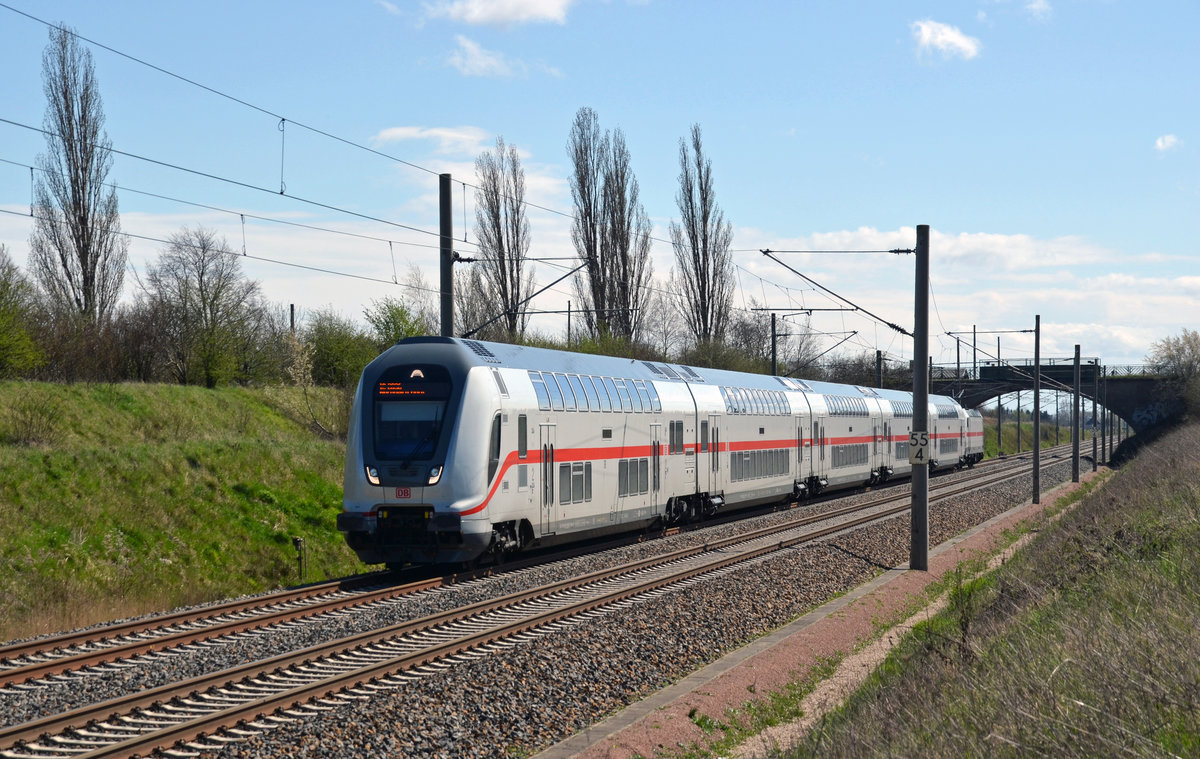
(1009, 437)
(122, 499)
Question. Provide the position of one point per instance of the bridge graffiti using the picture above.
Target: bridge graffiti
(1145, 417)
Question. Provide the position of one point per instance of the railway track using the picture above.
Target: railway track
(206, 712)
(24, 665)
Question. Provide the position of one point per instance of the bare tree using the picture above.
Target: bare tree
(503, 230)
(611, 230)
(624, 244)
(77, 254)
(1179, 359)
(587, 148)
(206, 304)
(665, 333)
(704, 265)
(474, 314)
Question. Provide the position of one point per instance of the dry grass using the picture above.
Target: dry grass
(1086, 644)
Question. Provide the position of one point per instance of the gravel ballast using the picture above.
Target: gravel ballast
(527, 697)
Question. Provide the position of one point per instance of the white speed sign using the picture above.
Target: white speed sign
(918, 447)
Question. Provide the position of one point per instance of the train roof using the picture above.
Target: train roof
(484, 353)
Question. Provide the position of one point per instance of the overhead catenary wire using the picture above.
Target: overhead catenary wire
(282, 124)
(768, 253)
(213, 90)
(236, 182)
(264, 259)
(243, 214)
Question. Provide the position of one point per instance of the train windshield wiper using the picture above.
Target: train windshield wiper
(416, 451)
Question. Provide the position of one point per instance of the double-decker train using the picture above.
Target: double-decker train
(460, 448)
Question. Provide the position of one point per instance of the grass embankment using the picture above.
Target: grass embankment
(1009, 437)
(124, 499)
(1086, 643)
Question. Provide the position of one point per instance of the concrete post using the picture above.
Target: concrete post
(919, 548)
(447, 255)
(1037, 409)
(1075, 425)
(1095, 437)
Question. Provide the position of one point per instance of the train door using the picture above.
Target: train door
(710, 443)
(799, 456)
(817, 460)
(656, 466)
(876, 449)
(549, 494)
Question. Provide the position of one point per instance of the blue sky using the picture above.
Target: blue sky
(1051, 145)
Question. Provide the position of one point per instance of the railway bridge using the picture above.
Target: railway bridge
(1136, 394)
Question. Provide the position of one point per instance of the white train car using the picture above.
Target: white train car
(458, 448)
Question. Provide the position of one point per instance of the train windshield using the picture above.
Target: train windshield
(410, 412)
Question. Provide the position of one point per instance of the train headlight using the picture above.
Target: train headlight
(372, 475)
(435, 474)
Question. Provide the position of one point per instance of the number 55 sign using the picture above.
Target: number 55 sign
(918, 447)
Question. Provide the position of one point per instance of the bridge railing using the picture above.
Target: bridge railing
(953, 372)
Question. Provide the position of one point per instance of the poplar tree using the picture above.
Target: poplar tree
(701, 241)
(77, 254)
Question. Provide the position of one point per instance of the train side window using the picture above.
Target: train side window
(494, 449)
(587, 481)
(589, 387)
(644, 394)
(556, 399)
(580, 396)
(643, 475)
(522, 436)
(626, 404)
(623, 478)
(539, 389)
(564, 483)
(611, 387)
(704, 437)
(577, 483)
(635, 397)
(568, 394)
(654, 401)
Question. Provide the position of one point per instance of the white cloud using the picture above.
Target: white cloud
(500, 12)
(389, 7)
(473, 60)
(464, 140)
(948, 40)
(1166, 142)
(1039, 9)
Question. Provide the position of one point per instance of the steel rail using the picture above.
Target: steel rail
(22, 734)
(149, 635)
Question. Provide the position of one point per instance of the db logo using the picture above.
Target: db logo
(404, 492)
